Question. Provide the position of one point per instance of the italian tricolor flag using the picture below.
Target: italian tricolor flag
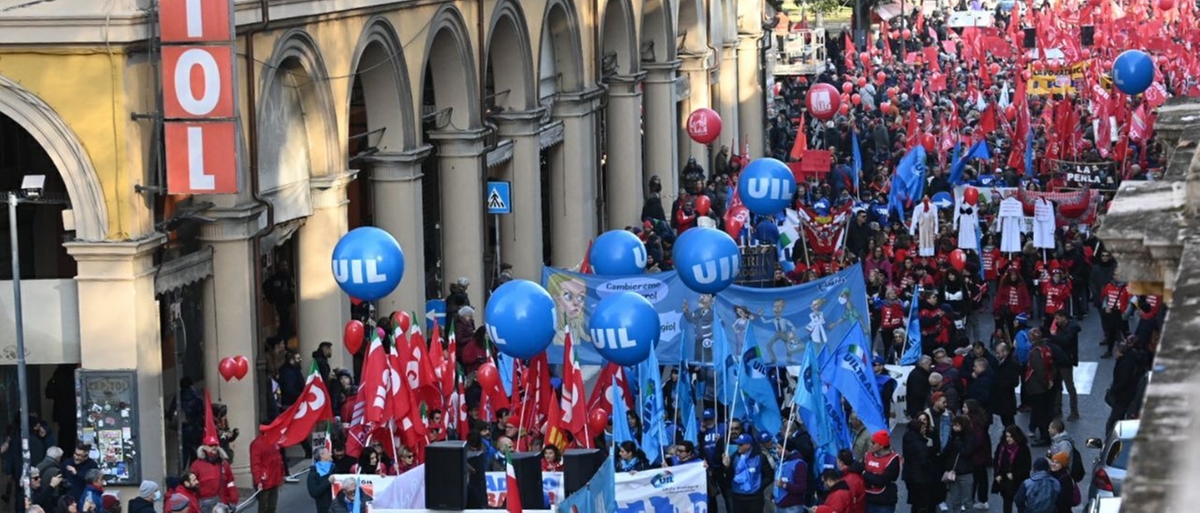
(512, 492)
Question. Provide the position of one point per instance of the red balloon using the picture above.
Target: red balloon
(880, 77)
(862, 82)
(704, 125)
(803, 80)
(907, 33)
(864, 57)
(847, 87)
(227, 369)
(1166, 5)
(958, 259)
(352, 336)
(403, 320)
(823, 101)
(488, 376)
(929, 142)
(1010, 112)
(597, 421)
(845, 109)
(971, 196)
(845, 98)
(1039, 66)
(994, 68)
(885, 106)
(856, 99)
(703, 204)
(1025, 74)
(894, 34)
(241, 366)
(892, 92)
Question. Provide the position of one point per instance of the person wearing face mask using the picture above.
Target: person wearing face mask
(320, 479)
(148, 494)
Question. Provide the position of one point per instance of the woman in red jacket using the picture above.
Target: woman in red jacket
(551, 459)
(839, 500)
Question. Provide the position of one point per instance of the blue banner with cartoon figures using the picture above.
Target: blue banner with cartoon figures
(784, 320)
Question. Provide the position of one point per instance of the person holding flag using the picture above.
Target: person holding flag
(267, 470)
(748, 473)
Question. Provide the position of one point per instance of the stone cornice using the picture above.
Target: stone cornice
(460, 143)
(398, 167)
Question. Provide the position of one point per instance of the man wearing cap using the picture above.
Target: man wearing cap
(748, 473)
(770, 454)
(711, 439)
(886, 385)
(1060, 462)
(881, 470)
(148, 494)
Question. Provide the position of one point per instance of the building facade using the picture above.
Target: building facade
(370, 112)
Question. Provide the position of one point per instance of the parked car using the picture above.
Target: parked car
(1108, 471)
(1105, 505)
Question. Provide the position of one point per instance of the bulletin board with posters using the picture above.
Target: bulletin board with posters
(106, 403)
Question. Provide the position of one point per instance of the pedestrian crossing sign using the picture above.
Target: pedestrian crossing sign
(499, 198)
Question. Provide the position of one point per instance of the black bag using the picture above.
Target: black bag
(1076, 465)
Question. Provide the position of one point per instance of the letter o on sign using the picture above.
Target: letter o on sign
(210, 77)
(198, 82)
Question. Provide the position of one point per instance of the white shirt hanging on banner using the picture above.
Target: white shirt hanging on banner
(1043, 224)
(1012, 216)
(925, 221)
(966, 219)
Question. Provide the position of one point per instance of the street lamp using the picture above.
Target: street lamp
(31, 191)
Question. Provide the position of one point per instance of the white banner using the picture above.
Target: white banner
(497, 489)
(680, 489)
(406, 491)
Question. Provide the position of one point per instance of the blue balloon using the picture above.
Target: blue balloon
(707, 259)
(618, 253)
(766, 186)
(1133, 71)
(625, 328)
(368, 263)
(520, 319)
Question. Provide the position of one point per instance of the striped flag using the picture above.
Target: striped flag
(513, 494)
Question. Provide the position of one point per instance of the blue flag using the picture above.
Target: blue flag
(848, 369)
(620, 420)
(651, 412)
(724, 364)
(912, 352)
(504, 364)
(762, 408)
(838, 422)
(908, 184)
(810, 398)
(356, 506)
(685, 403)
(979, 150)
(1029, 152)
(857, 159)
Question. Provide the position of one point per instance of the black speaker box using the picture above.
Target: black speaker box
(1030, 38)
(446, 465)
(476, 479)
(528, 467)
(1087, 35)
(579, 465)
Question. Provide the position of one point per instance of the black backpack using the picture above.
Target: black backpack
(1077, 471)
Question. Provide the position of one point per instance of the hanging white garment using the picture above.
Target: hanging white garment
(1012, 216)
(966, 220)
(1043, 224)
(924, 225)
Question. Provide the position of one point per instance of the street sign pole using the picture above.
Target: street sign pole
(498, 201)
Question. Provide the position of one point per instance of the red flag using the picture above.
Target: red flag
(586, 266)
(574, 413)
(801, 143)
(987, 121)
(296, 424)
(210, 427)
(601, 397)
(1138, 124)
(374, 388)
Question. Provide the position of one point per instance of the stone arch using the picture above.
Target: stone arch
(657, 42)
(691, 28)
(379, 61)
(618, 39)
(297, 125)
(69, 157)
(454, 76)
(508, 39)
(561, 52)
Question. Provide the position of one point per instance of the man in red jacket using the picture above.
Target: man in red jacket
(267, 468)
(852, 476)
(216, 477)
(1057, 294)
(839, 500)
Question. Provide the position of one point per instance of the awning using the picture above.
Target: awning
(503, 153)
(552, 133)
(185, 270)
(281, 234)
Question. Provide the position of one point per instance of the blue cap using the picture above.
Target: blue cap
(878, 360)
(1022, 318)
(764, 437)
(744, 438)
(709, 414)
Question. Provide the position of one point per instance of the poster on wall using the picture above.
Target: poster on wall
(106, 403)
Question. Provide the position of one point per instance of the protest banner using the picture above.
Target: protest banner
(682, 489)
(405, 491)
(497, 488)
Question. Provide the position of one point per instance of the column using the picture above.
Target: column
(662, 118)
(521, 231)
(396, 185)
(119, 329)
(323, 308)
(574, 174)
(751, 109)
(460, 164)
(231, 319)
(727, 99)
(695, 68)
(623, 179)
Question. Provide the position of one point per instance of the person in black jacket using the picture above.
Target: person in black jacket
(1131, 366)
(918, 470)
(917, 386)
(980, 383)
(1004, 385)
(959, 456)
(74, 470)
(320, 480)
(1013, 462)
(1064, 333)
(148, 494)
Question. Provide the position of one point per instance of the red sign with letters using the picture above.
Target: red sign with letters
(199, 108)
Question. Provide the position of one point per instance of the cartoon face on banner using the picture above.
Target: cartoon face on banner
(570, 298)
(368, 263)
(618, 253)
(624, 328)
(708, 259)
(766, 186)
(521, 319)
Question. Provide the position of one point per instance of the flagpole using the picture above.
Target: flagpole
(787, 431)
(392, 432)
(737, 390)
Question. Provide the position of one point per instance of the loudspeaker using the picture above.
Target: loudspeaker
(579, 465)
(446, 465)
(1087, 35)
(528, 467)
(476, 479)
(1030, 37)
